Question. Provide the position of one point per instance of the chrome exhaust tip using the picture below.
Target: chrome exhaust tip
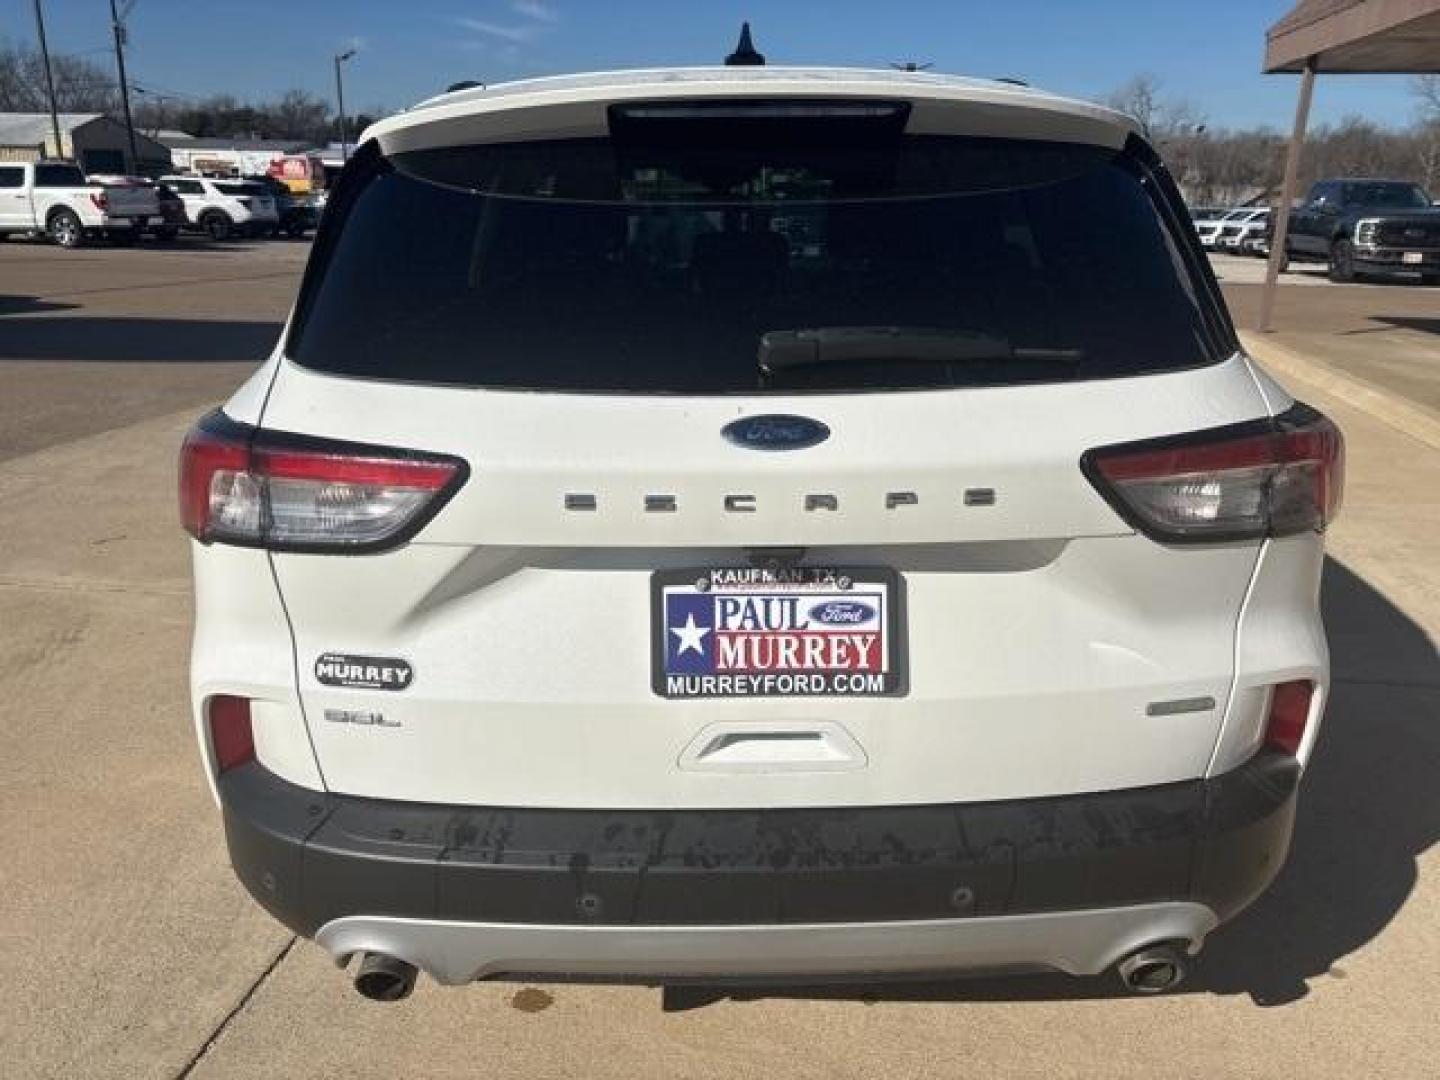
(384, 978)
(1154, 969)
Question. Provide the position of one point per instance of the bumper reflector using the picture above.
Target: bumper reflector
(231, 736)
(1289, 715)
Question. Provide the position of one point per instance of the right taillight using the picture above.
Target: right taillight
(255, 488)
(1274, 477)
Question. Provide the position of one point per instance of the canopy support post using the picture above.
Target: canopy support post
(1281, 232)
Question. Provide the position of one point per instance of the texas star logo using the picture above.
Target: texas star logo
(709, 633)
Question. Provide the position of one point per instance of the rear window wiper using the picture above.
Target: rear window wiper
(784, 350)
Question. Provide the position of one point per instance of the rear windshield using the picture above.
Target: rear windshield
(720, 267)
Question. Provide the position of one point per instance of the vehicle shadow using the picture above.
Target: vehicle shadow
(1406, 322)
(185, 242)
(87, 339)
(1367, 811)
(22, 304)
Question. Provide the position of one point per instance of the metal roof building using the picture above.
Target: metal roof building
(95, 141)
(180, 141)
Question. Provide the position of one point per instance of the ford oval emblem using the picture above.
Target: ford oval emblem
(775, 432)
(842, 613)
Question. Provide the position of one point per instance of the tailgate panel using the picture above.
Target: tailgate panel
(1028, 675)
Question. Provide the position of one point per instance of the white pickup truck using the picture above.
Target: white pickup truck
(55, 198)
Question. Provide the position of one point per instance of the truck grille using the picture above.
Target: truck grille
(1408, 234)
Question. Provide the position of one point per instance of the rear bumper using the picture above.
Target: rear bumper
(1056, 882)
(1075, 942)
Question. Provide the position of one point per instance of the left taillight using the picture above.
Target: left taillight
(255, 488)
(1275, 477)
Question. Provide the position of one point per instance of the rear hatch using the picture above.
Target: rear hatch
(773, 432)
(255, 198)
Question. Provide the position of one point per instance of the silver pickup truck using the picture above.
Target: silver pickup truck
(56, 199)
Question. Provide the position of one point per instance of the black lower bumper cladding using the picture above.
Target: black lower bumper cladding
(310, 857)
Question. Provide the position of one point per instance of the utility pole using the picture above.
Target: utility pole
(340, 102)
(119, 27)
(49, 79)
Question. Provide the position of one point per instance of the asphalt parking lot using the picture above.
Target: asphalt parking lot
(130, 951)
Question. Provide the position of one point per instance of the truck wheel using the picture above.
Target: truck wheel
(1342, 262)
(216, 225)
(64, 229)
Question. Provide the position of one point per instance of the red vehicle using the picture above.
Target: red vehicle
(303, 174)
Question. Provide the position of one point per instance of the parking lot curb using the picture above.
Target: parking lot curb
(1400, 413)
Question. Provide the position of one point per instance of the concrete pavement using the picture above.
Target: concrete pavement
(104, 337)
(1380, 336)
(131, 952)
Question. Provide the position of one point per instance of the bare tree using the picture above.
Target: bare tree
(80, 86)
(1157, 116)
(298, 115)
(1427, 89)
(1219, 166)
(1140, 98)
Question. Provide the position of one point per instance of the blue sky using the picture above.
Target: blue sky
(1209, 53)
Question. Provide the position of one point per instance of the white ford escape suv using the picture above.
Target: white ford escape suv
(757, 523)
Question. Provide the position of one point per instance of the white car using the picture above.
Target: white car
(224, 208)
(55, 199)
(1211, 229)
(1206, 220)
(1240, 231)
(597, 583)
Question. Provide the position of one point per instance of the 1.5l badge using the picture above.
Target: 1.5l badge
(364, 672)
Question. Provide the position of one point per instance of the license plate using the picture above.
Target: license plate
(1413, 258)
(732, 632)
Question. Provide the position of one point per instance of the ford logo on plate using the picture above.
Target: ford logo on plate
(842, 613)
(776, 432)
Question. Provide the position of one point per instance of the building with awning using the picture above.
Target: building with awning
(1341, 37)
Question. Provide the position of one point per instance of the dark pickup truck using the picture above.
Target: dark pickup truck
(1367, 227)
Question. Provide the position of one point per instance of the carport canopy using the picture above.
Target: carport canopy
(1369, 37)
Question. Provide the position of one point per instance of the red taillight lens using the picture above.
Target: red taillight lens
(1289, 715)
(100, 199)
(287, 492)
(231, 736)
(1266, 478)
